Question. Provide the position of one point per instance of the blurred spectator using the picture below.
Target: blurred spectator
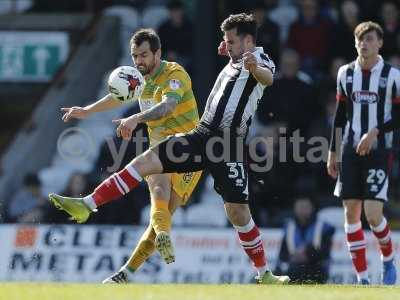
(176, 36)
(394, 60)
(370, 9)
(77, 186)
(291, 93)
(343, 38)
(327, 85)
(269, 195)
(290, 102)
(391, 28)
(15, 6)
(268, 31)
(283, 13)
(306, 245)
(320, 128)
(310, 37)
(59, 6)
(28, 205)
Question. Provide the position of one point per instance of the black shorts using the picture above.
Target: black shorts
(200, 149)
(364, 177)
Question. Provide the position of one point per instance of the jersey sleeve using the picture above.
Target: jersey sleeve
(176, 85)
(396, 88)
(264, 61)
(340, 92)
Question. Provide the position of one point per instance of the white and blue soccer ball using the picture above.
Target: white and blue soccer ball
(126, 83)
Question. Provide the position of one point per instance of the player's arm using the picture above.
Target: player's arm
(394, 122)
(171, 95)
(162, 109)
(339, 122)
(78, 112)
(367, 140)
(263, 70)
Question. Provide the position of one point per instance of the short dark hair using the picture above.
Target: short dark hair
(365, 27)
(149, 35)
(244, 24)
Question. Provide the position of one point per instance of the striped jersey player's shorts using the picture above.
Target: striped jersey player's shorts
(364, 177)
(191, 152)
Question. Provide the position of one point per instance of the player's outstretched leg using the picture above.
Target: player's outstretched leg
(142, 252)
(250, 239)
(110, 189)
(383, 235)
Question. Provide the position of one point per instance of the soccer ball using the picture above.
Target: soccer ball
(126, 83)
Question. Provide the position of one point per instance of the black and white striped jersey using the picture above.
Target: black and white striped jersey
(234, 97)
(369, 97)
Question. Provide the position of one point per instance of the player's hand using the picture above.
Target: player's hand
(126, 126)
(250, 62)
(76, 112)
(332, 165)
(366, 142)
(222, 49)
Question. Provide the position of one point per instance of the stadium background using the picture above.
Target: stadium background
(59, 53)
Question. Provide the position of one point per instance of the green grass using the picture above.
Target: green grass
(51, 291)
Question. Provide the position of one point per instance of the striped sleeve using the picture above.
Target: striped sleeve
(394, 122)
(340, 91)
(339, 120)
(263, 60)
(396, 87)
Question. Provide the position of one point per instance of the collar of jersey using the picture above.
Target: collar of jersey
(377, 66)
(159, 70)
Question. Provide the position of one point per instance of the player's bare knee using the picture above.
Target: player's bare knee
(352, 216)
(352, 212)
(158, 192)
(237, 214)
(373, 218)
(147, 163)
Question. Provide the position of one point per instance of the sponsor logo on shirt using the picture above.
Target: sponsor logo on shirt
(174, 84)
(364, 97)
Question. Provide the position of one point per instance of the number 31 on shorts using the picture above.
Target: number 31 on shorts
(236, 171)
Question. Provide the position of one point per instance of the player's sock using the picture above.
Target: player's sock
(114, 187)
(143, 250)
(382, 233)
(160, 216)
(357, 247)
(250, 239)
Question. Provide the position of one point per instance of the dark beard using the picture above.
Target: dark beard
(149, 69)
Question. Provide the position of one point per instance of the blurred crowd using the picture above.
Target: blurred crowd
(308, 40)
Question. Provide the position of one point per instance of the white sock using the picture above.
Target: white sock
(89, 201)
(362, 275)
(261, 270)
(246, 228)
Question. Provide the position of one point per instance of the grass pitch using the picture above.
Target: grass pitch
(51, 291)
